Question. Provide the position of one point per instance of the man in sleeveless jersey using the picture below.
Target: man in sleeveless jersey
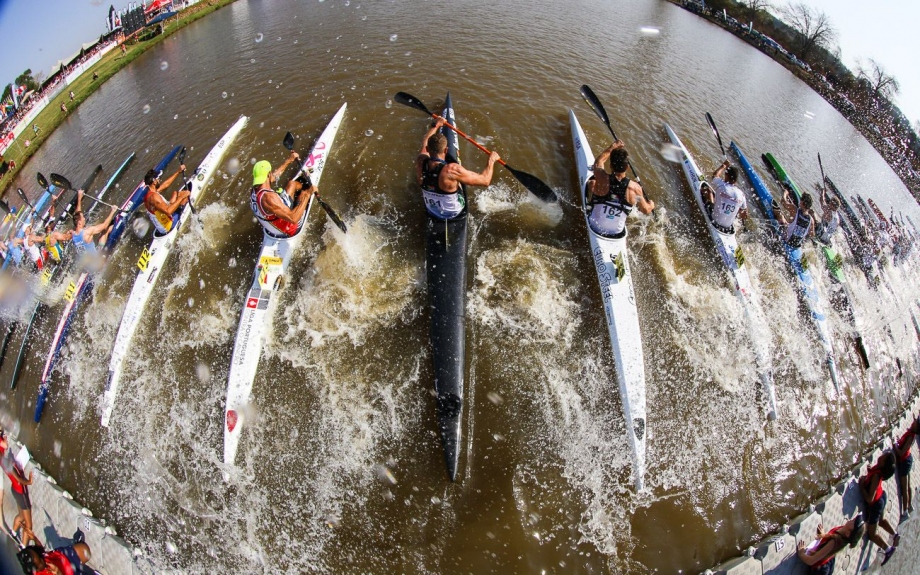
(830, 218)
(82, 235)
(724, 200)
(905, 462)
(819, 555)
(872, 488)
(279, 211)
(802, 223)
(611, 197)
(440, 179)
(163, 214)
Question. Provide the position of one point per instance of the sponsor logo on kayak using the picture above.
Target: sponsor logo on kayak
(231, 420)
(602, 276)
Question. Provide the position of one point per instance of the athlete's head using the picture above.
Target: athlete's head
(834, 203)
(887, 463)
(150, 177)
(79, 220)
(437, 144)
(619, 160)
(807, 201)
(261, 172)
(731, 175)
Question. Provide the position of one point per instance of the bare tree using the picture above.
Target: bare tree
(880, 82)
(814, 27)
(756, 5)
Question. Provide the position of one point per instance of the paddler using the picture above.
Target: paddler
(280, 211)
(830, 218)
(728, 201)
(82, 235)
(611, 197)
(802, 224)
(440, 179)
(162, 214)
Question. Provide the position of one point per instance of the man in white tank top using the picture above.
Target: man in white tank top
(725, 200)
(611, 197)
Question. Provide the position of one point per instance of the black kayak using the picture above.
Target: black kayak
(445, 263)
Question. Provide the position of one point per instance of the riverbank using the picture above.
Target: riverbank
(875, 125)
(57, 111)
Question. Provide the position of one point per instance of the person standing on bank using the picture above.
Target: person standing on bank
(281, 212)
(905, 463)
(872, 487)
(440, 178)
(19, 485)
(612, 197)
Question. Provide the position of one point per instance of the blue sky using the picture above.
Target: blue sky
(881, 30)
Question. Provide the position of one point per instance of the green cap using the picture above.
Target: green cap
(260, 172)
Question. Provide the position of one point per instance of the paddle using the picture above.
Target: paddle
(5, 207)
(532, 183)
(288, 143)
(42, 181)
(595, 103)
(712, 126)
(823, 180)
(62, 182)
(22, 196)
(182, 163)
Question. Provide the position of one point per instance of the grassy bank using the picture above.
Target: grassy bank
(53, 115)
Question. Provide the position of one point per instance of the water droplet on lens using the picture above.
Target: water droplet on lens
(369, 133)
(203, 372)
(495, 398)
(347, 3)
(164, 64)
(191, 302)
(146, 108)
(140, 227)
(223, 95)
(253, 61)
(259, 37)
(233, 166)
(385, 475)
(389, 104)
(435, 500)
(363, 18)
(393, 37)
(176, 117)
(171, 547)
(231, 263)
(57, 448)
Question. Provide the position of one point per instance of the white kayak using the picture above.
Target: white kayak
(150, 264)
(255, 321)
(733, 259)
(611, 262)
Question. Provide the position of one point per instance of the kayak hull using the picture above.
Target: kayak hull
(611, 262)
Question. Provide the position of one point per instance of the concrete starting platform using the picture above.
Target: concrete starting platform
(776, 555)
(56, 518)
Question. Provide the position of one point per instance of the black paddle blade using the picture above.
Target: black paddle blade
(4, 206)
(182, 155)
(60, 181)
(22, 196)
(288, 141)
(712, 126)
(411, 101)
(595, 103)
(535, 185)
(42, 181)
(332, 215)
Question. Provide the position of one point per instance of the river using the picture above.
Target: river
(342, 469)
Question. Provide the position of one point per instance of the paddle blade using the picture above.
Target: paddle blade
(22, 196)
(332, 215)
(535, 185)
(60, 181)
(42, 181)
(595, 103)
(89, 180)
(712, 126)
(182, 153)
(4, 206)
(411, 101)
(288, 141)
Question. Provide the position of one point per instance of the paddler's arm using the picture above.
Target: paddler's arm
(721, 169)
(635, 190)
(272, 203)
(280, 170)
(460, 174)
(431, 130)
(100, 227)
(820, 553)
(159, 204)
(168, 182)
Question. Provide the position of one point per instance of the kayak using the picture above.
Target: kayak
(78, 290)
(734, 262)
(806, 281)
(151, 263)
(445, 264)
(611, 261)
(255, 321)
(49, 274)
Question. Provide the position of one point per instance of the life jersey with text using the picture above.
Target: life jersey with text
(54, 249)
(162, 221)
(272, 224)
(906, 439)
(729, 200)
(798, 228)
(609, 213)
(441, 204)
(81, 244)
(826, 229)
